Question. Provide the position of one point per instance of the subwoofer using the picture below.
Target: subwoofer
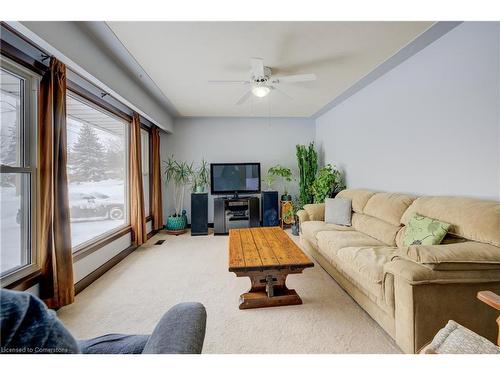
(269, 209)
(199, 214)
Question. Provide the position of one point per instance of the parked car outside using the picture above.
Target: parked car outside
(95, 205)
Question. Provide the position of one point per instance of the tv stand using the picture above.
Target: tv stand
(235, 212)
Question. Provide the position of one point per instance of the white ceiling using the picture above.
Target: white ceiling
(180, 57)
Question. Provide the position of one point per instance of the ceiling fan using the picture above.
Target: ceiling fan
(262, 81)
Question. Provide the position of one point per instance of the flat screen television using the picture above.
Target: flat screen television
(234, 178)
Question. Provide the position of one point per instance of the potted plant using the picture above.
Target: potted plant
(307, 160)
(200, 178)
(328, 181)
(180, 174)
(286, 176)
(269, 179)
(296, 206)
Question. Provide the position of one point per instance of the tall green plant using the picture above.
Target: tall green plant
(307, 160)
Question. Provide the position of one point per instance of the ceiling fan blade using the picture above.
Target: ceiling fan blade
(244, 98)
(257, 66)
(281, 92)
(294, 78)
(229, 82)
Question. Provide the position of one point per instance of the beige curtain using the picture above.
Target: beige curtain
(156, 198)
(137, 218)
(54, 236)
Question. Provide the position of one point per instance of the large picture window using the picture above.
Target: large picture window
(145, 170)
(18, 94)
(97, 171)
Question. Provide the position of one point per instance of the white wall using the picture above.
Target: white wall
(268, 141)
(429, 126)
(93, 261)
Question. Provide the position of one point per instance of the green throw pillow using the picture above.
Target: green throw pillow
(423, 230)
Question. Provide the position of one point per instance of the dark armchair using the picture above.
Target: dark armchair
(180, 331)
(27, 326)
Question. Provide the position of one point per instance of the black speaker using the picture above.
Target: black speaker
(270, 210)
(199, 214)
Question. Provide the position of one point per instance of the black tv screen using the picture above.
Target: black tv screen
(230, 178)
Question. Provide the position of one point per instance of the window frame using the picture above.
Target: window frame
(150, 168)
(29, 129)
(96, 243)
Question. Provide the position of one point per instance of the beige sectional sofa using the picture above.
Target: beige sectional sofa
(412, 291)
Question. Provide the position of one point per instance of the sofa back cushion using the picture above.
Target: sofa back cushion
(388, 206)
(375, 228)
(474, 219)
(358, 197)
(379, 214)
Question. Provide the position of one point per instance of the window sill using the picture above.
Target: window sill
(90, 248)
(25, 282)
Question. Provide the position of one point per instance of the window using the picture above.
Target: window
(145, 170)
(18, 94)
(97, 171)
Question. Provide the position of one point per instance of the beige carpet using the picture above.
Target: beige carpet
(132, 296)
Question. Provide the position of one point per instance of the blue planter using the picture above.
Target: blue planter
(176, 222)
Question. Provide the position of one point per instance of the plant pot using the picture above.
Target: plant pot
(176, 222)
(295, 229)
(199, 189)
(286, 197)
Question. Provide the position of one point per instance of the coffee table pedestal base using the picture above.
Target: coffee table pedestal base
(252, 300)
(268, 289)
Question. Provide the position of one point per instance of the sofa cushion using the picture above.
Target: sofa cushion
(474, 219)
(367, 262)
(375, 228)
(338, 211)
(364, 266)
(456, 339)
(330, 242)
(467, 255)
(388, 206)
(358, 197)
(309, 229)
(422, 230)
(449, 238)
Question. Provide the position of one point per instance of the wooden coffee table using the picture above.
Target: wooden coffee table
(267, 256)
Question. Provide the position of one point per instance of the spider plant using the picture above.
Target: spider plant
(200, 177)
(179, 174)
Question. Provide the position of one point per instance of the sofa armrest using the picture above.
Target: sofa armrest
(490, 298)
(303, 216)
(414, 273)
(315, 211)
(468, 255)
(180, 331)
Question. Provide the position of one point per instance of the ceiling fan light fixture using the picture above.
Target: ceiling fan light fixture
(260, 91)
